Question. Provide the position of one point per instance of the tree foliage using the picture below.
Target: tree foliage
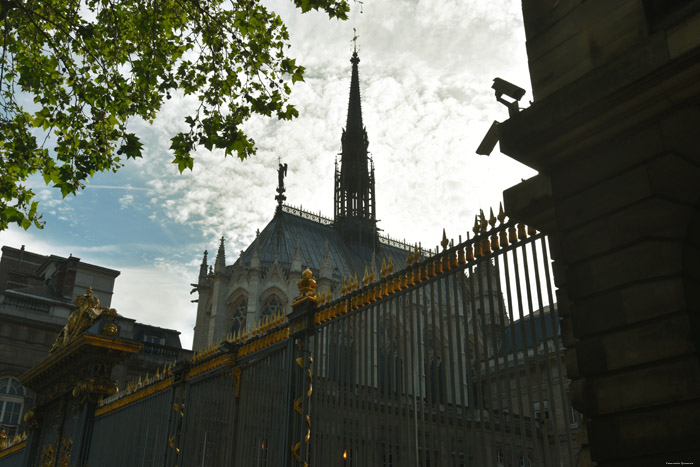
(74, 72)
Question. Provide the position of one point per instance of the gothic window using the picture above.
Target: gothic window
(341, 358)
(541, 410)
(11, 403)
(389, 364)
(435, 386)
(271, 306)
(576, 418)
(240, 309)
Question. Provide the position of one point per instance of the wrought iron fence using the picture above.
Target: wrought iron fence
(455, 360)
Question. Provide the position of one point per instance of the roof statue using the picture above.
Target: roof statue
(281, 173)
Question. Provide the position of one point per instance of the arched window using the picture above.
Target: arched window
(389, 365)
(271, 306)
(11, 403)
(341, 355)
(434, 384)
(238, 315)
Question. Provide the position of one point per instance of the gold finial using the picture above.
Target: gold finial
(492, 219)
(484, 224)
(355, 283)
(307, 286)
(371, 274)
(501, 214)
(476, 227)
(444, 243)
(383, 270)
(365, 278)
(390, 267)
(409, 258)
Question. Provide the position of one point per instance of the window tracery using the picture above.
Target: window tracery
(238, 315)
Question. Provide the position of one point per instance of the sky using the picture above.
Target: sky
(426, 69)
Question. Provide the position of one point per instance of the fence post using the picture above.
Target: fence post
(300, 371)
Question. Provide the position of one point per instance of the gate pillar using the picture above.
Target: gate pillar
(70, 382)
(300, 371)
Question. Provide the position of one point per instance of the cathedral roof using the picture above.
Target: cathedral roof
(278, 240)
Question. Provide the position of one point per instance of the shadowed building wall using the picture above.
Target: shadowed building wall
(614, 133)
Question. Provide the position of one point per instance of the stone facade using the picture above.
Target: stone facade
(614, 134)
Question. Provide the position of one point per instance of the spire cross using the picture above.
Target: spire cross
(354, 39)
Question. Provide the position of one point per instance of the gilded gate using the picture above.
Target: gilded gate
(453, 360)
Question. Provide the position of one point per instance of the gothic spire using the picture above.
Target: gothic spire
(203, 267)
(354, 123)
(220, 264)
(354, 182)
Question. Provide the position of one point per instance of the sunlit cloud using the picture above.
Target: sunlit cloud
(425, 74)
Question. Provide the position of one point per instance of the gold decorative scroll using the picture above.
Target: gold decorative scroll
(87, 312)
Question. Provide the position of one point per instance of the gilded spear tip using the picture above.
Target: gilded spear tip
(444, 243)
(492, 219)
(501, 214)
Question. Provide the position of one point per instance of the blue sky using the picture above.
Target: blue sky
(425, 75)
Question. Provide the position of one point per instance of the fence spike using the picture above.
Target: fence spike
(501, 214)
(444, 241)
(492, 219)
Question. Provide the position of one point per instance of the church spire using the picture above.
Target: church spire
(220, 263)
(354, 182)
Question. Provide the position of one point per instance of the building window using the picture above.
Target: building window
(11, 403)
(154, 340)
(541, 410)
(272, 306)
(240, 309)
(341, 356)
(389, 364)
(499, 459)
(576, 418)
(434, 384)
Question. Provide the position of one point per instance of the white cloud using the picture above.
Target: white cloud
(126, 201)
(426, 72)
(158, 294)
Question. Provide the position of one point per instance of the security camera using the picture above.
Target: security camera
(514, 92)
(509, 89)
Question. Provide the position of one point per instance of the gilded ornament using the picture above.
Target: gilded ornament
(87, 312)
(444, 243)
(110, 329)
(501, 214)
(307, 286)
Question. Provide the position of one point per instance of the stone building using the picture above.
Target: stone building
(263, 279)
(613, 131)
(36, 299)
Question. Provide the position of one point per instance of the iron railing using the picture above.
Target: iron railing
(454, 360)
